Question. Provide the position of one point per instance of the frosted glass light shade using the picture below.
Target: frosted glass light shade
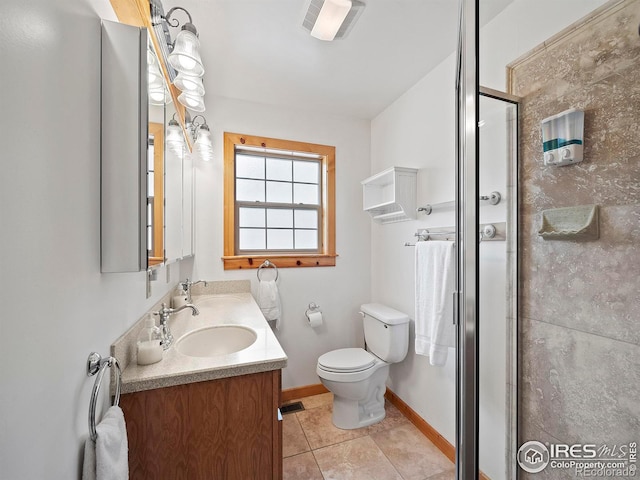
(330, 19)
(185, 56)
(204, 145)
(189, 83)
(174, 139)
(192, 101)
(158, 96)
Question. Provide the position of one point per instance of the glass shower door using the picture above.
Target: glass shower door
(485, 297)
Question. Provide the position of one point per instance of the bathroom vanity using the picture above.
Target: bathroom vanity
(214, 415)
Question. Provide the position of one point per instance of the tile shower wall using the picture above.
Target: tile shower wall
(580, 301)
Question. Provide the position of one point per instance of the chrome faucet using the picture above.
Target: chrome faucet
(164, 313)
(186, 287)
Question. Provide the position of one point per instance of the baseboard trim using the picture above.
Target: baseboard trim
(427, 430)
(304, 391)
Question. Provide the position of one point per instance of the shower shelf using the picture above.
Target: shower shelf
(570, 223)
(390, 196)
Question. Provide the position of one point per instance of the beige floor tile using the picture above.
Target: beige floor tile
(301, 467)
(411, 453)
(358, 459)
(393, 418)
(448, 475)
(293, 439)
(318, 400)
(320, 430)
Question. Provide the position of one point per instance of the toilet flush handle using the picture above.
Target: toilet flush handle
(362, 313)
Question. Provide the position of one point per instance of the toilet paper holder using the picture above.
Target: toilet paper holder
(313, 308)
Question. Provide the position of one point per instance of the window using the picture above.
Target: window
(279, 202)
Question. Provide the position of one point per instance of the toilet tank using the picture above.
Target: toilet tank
(386, 332)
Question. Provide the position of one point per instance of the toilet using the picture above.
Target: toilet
(357, 377)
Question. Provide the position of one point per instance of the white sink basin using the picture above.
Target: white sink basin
(216, 340)
(219, 301)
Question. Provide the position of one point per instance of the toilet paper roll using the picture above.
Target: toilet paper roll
(315, 319)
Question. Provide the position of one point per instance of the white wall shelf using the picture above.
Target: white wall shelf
(390, 196)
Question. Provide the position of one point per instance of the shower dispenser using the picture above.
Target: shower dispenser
(562, 137)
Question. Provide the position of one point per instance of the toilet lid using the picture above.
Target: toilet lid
(346, 360)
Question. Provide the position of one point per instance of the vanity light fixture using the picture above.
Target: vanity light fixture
(201, 133)
(331, 19)
(158, 94)
(185, 56)
(174, 137)
(189, 83)
(192, 101)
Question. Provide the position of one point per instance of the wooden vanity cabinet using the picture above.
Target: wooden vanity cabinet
(225, 429)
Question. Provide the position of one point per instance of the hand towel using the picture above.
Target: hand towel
(107, 458)
(435, 278)
(269, 301)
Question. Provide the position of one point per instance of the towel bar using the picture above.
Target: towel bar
(97, 364)
(267, 264)
(487, 232)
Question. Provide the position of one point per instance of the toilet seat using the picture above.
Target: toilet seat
(346, 360)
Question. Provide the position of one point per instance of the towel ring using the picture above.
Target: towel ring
(97, 364)
(266, 264)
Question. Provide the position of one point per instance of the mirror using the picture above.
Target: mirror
(158, 97)
(146, 186)
(179, 179)
(174, 155)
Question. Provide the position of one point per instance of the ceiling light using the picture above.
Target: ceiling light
(331, 19)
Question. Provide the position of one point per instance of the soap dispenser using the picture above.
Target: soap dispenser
(562, 138)
(148, 347)
(181, 299)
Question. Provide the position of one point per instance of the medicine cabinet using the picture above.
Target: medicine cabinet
(390, 196)
(146, 188)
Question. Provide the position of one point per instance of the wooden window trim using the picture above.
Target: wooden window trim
(327, 256)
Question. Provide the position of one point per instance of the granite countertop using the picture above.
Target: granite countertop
(263, 355)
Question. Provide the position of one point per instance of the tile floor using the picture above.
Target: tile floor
(394, 449)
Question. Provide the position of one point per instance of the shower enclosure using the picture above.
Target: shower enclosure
(486, 393)
(568, 325)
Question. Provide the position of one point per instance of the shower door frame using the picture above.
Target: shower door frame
(466, 295)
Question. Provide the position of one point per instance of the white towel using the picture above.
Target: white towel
(435, 278)
(269, 301)
(107, 458)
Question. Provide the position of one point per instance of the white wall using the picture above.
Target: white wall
(339, 290)
(416, 131)
(56, 305)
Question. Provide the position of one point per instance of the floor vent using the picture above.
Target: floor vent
(292, 407)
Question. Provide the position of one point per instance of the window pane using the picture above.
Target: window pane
(308, 172)
(306, 218)
(279, 218)
(303, 193)
(251, 239)
(250, 190)
(278, 169)
(306, 239)
(279, 239)
(249, 166)
(251, 217)
(278, 192)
